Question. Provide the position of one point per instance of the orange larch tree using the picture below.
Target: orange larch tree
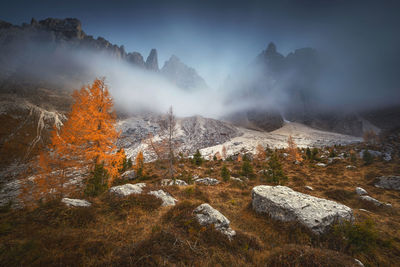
(293, 151)
(86, 139)
(139, 166)
(260, 153)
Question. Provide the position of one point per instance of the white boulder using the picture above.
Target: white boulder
(70, 202)
(166, 198)
(285, 204)
(127, 189)
(206, 215)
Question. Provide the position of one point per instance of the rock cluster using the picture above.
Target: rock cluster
(206, 215)
(207, 181)
(166, 182)
(285, 204)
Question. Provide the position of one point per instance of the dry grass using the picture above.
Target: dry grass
(137, 231)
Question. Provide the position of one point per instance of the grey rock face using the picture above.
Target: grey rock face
(388, 182)
(127, 189)
(136, 59)
(206, 215)
(130, 175)
(75, 202)
(285, 204)
(166, 198)
(152, 60)
(182, 75)
(166, 182)
(207, 181)
(361, 191)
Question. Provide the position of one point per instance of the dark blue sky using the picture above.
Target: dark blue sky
(216, 36)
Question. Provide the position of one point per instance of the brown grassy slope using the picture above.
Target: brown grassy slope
(136, 231)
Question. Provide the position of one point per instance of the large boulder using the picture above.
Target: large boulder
(207, 181)
(167, 199)
(127, 189)
(70, 202)
(285, 204)
(206, 215)
(388, 182)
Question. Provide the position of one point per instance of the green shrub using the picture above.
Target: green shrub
(360, 237)
(367, 157)
(197, 158)
(98, 181)
(225, 174)
(276, 174)
(247, 169)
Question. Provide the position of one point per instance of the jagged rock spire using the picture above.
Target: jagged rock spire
(152, 60)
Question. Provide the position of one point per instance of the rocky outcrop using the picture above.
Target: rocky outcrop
(374, 201)
(287, 205)
(167, 182)
(207, 181)
(207, 215)
(130, 175)
(182, 75)
(136, 59)
(70, 202)
(167, 199)
(152, 61)
(388, 182)
(127, 189)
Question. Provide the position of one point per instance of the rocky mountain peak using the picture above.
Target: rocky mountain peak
(182, 75)
(69, 27)
(271, 49)
(152, 60)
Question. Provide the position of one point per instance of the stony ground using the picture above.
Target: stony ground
(137, 230)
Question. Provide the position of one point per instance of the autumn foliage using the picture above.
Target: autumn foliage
(85, 140)
(293, 151)
(260, 153)
(139, 166)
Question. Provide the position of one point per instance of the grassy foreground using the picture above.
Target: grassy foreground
(137, 231)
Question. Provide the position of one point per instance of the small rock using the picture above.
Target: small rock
(181, 165)
(236, 179)
(320, 164)
(350, 167)
(359, 263)
(388, 182)
(166, 198)
(207, 181)
(387, 156)
(285, 204)
(127, 189)
(130, 175)
(70, 202)
(166, 182)
(206, 215)
(361, 191)
(309, 188)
